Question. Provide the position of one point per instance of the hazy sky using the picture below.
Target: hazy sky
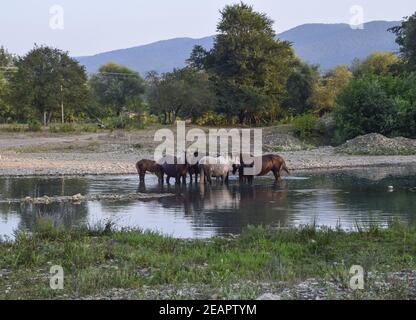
(93, 26)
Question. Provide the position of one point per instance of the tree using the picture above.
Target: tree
(5, 110)
(184, 92)
(406, 35)
(6, 63)
(328, 88)
(45, 78)
(377, 63)
(118, 88)
(300, 87)
(364, 107)
(247, 65)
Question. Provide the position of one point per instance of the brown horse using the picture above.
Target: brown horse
(144, 166)
(269, 163)
(173, 169)
(193, 169)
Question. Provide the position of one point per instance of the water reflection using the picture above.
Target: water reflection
(325, 197)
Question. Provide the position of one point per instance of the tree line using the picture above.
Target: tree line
(249, 77)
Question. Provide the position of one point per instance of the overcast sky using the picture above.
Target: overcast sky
(93, 26)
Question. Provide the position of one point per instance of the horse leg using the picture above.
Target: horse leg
(276, 173)
(227, 178)
(168, 179)
(209, 177)
(202, 176)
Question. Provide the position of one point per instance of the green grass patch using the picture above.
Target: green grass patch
(99, 259)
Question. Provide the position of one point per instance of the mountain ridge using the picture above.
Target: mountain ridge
(324, 44)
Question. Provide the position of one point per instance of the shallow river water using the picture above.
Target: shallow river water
(331, 198)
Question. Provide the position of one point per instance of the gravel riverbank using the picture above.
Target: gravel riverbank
(117, 153)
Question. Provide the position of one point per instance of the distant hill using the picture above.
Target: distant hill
(325, 44)
(331, 44)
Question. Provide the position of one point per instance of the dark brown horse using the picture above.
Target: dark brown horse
(144, 166)
(193, 169)
(176, 170)
(269, 163)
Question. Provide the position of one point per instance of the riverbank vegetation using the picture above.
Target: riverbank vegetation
(101, 262)
(248, 78)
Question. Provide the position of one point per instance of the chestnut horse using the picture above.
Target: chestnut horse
(144, 166)
(270, 163)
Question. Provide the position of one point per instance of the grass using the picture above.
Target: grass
(53, 128)
(148, 265)
(84, 146)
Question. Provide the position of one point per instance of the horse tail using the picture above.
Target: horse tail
(284, 168)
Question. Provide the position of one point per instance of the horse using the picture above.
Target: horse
(193, 169)
(216, 167)
(144, 166)
(173, 169)
(269, 163)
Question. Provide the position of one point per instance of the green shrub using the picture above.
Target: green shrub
(88, 127)
(364, 107)
(211, 118)
(305, 125)
(34, 126)
(13, 127)
(128, 123)
(61, 128)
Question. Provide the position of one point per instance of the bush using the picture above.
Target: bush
(128, 123)
(13, 128)
(405, 122)
(364, 107)
(34, 126)
(211, 118)
(305, 125)
(61, 128)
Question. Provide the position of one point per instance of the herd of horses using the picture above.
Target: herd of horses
(208, 168)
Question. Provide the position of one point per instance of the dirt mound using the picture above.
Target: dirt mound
(377, 144)
(282, 138)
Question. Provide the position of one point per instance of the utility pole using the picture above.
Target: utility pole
(62, 104)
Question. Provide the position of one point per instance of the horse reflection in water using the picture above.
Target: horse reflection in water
(226, 206)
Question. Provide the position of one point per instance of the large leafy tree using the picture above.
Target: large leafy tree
(300, 87)
(6, 59)
(328, 88)
(4, 106)
(45, 78)
(6, 68)
(118, 88)
(184, 92)
(377, 63)
(406, 39)
(248, 66)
